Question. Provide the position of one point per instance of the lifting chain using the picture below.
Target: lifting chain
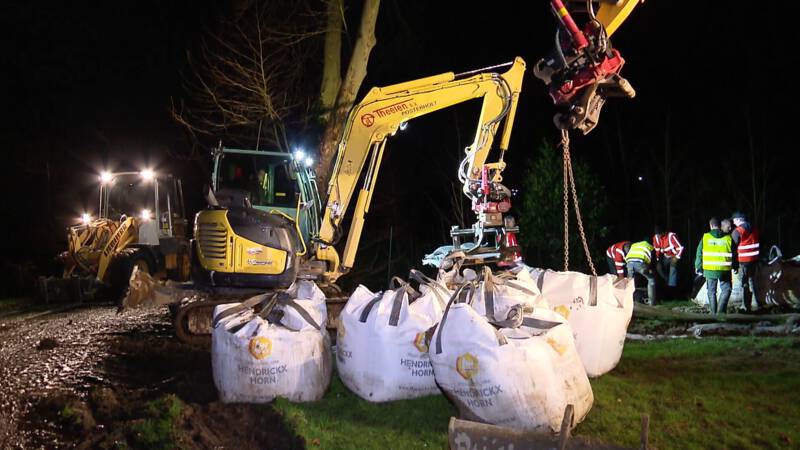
(569, 183)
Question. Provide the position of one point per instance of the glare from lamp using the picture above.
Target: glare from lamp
(640, 178)
(105, 177)
(309, 162)
(147, 174)
(145, 215)
(299, 155)
(86, 218)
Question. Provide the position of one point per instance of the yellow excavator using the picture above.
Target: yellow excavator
(139, 223)
(266, 225)
(257, 235)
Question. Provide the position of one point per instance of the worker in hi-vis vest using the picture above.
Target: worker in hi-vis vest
(746, 246)
(615, 257)
(668, 254)
(639, 260)
(715, 259)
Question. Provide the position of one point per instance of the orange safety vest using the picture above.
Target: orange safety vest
(668, 245)
(616, 253)
(748, 245)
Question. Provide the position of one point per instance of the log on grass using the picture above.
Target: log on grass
(653, 312)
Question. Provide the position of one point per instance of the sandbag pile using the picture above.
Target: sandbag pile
(599, 310)
(272, 345)
(381, 351)
(519, 371)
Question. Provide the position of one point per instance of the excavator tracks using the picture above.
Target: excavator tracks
(193, 315)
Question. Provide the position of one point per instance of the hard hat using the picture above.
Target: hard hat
(738, 215)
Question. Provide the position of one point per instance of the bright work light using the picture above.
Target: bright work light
(105, 177)
(147, 174)
(299, 155)
(145, 215)
(309, 162)
(86, 218)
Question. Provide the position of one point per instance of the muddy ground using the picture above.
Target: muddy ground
(91, 378)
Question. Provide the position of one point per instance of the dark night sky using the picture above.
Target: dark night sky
(88, 84)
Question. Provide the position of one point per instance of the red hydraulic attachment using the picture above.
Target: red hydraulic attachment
(582, 72)
(492, 197)
(492, 202)
(511, 254)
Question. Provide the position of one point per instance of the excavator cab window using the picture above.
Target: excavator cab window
(269, 179)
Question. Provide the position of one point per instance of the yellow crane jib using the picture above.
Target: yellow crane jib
(382, 112)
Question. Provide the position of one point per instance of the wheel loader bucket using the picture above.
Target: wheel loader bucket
(69, 290)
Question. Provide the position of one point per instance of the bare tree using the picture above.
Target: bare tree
(356, 71)
(250, 81)
(332, 68)
(247, 82)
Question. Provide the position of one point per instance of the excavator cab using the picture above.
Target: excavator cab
(583, 70)
(276, 182)
(263, 212)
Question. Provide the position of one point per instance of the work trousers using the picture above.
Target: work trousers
(724, 294)
(612, 267)
(668, 270)
(641, 268)
(747, 275)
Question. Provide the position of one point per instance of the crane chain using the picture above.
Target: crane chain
(569, 177)
(565, 148)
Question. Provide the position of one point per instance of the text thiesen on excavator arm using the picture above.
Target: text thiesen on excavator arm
(583, 69)
(382, 112)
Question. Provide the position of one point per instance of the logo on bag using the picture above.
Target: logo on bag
(467, 366)
(558, 347)
(563, 310)
(419, 342)
(260, 347)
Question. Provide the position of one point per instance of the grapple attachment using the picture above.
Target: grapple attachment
(582, 72)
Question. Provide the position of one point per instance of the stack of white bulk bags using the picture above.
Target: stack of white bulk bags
(381, 350)
(522, 375)
(283, 350)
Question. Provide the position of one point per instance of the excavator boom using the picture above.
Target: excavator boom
(382, 112)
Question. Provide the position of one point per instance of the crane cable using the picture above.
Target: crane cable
(569, 183)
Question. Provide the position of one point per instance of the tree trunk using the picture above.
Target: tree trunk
(356, 71)
(667, 175)
(332, 59)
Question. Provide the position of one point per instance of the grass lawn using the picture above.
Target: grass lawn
(709, 393)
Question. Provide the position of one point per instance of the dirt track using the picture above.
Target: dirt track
(107, 367)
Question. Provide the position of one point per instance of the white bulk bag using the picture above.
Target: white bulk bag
(599, 310)
(521, 377)
(284, 351)
(381, 353)
(737, 294)
(496, 295)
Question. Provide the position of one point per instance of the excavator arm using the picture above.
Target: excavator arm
(381, 113)
(584, 69)
(611, 14)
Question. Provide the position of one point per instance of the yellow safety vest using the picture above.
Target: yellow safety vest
(640, 251)
(717, 252)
